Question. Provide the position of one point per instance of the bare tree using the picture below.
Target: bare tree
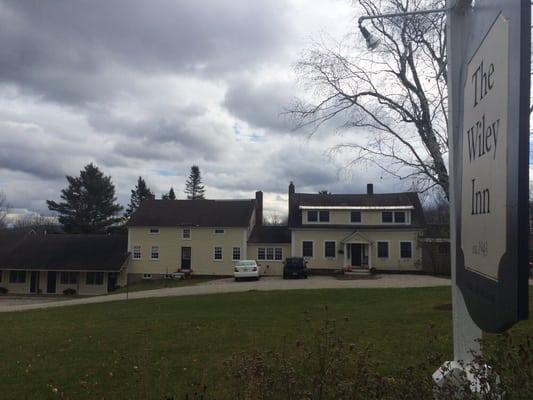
(4, 209)
(393, 100)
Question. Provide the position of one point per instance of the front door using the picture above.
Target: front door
(111, 281)
(34, 281)
(185, 258)
(51, 282)
(357, 255)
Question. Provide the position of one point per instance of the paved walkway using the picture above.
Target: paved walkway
(229, 286)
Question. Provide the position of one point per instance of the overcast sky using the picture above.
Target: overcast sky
(151, 87)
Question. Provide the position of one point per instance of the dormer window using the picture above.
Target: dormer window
(399, 217)
(154, 231)
(324, 216)
(355, 217)
(312, 216)
(219, 231)
(386, 217)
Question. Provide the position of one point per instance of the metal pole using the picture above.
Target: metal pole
(466, 334)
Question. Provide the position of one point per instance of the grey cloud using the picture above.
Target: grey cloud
(261, 105)
(77, 51)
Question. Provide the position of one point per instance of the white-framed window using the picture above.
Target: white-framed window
(136, 252)
(219, 231)
(323, 216)
(154, 231)
(382, 248)
(17, 276)
(217, 253)
(94, 278)
(236, 253)
(147, 276)
(406, 249)
(355, 217)
(66, 278)
(312, 216)
(154, 253)
(270, 253)
(395, 217)
(307, 248)
(186, 234)
(330, 249)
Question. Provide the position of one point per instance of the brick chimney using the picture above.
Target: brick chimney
(291, 219)
(369, 188)
(291, 188)
(259, 208)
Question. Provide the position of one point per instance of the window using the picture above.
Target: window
(154, 230)
(324, 216)
(406, 250)
(355, 217)
(399, 217)
(270, 253)
(307, 248)
(0, 276)
(219, 231)
(147, 276)
(329, 249)
(386, 217)
(95, 278)
(186, 233)
(312, 216)
(17, 276)
(154, 253)
(383, 249)
(66, 278)
(136, 252)
(217, 254)
(236, 253)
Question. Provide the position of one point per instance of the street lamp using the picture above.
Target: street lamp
(372, 42)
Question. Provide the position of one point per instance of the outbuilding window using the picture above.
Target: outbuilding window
(95, 278)
(406, 250)
(154, 253)
(236, 253)
(66, 278)
(136, 252)
(217, 254)
(17, 276)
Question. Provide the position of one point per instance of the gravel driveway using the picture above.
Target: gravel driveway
(229, 286)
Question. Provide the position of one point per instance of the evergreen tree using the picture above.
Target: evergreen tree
(89, 202)
(193, 187)
(170, 195)
(140, 193)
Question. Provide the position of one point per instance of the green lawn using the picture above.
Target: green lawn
(121, 350)
(151, 284)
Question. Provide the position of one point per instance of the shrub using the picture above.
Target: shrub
(3, 290)
(69, 292)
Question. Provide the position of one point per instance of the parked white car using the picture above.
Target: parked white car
(246, 269)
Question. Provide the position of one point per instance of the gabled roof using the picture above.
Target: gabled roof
(61, 252)
(386, 200)
(270, 234)
(208, 213)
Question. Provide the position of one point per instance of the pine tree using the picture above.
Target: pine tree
(89, 202)
(170, 195)
(140, 193)
(193, 187)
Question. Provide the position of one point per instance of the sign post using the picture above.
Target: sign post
(489, 67)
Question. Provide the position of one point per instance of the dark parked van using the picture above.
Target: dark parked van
(294, 267)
